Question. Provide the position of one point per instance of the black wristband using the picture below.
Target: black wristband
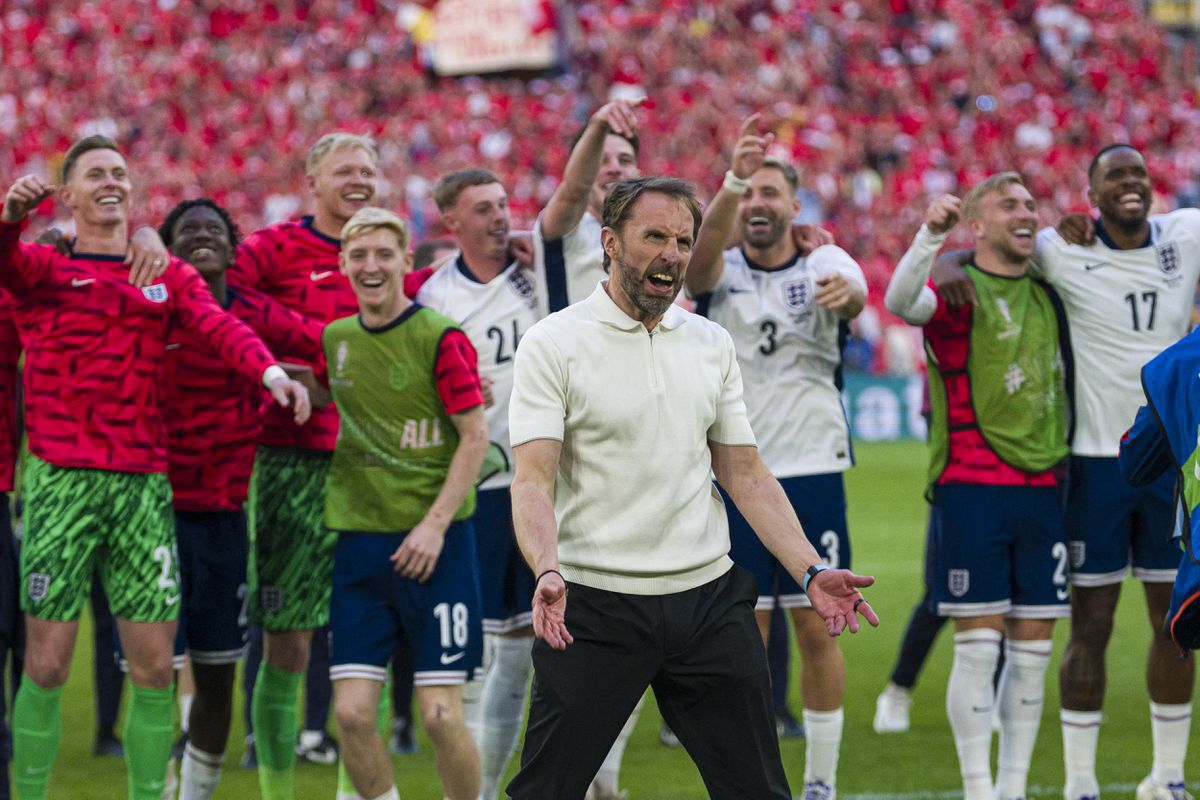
(547, 572)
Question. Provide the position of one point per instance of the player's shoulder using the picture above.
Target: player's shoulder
(1173, 223)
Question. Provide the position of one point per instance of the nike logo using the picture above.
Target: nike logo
(736, 290)
(82, 281)
(1035, 702)
(34, 771)
(1090, 267)
(316, 276)
(175, 346)
(172, 600)
(981, 709)
(451, 659)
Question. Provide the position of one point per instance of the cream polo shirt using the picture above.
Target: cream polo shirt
(636, 507)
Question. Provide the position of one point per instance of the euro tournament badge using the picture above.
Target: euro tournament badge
(343, 352)
(1167, 254)
(797, 295)
(959, 582)
(156, 293)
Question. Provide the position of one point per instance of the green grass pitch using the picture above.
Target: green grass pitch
(887, 523)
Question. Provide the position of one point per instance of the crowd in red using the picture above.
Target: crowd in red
(881, 103)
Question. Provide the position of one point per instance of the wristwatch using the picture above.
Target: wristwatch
(811, 573)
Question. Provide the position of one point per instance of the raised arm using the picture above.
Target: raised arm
(196, 310)
(704, 270)
(22, 266)
(907, 295)
(834, 592)
(570, 199)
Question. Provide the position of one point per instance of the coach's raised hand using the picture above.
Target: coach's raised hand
(835, 596)
(26, 194)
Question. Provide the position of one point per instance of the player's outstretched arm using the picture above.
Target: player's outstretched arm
(146, 256)
(537, 535)
(289, 393)
(907, 295)
(1077, 229)
(418, 555)
(570, 199)
(834, 592)
(706, 265)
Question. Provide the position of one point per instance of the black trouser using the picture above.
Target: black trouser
(699, 650)
(403, 666)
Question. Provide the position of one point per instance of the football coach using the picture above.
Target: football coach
(623, 409)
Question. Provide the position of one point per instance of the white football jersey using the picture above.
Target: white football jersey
(1123, 307)
(789, 351)
(494, 315)
(574, 263)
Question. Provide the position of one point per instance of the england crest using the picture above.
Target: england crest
(156, 293)
(272, 599)
(39, 586)
(1168, 258)
(797, 295)
(959, 582)
(520, 283)
(1078, 553)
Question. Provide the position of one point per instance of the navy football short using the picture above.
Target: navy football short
(213, 552)
(1111, 525)
(820, 503)
(372, 606)
(998, 550)
(505, 580)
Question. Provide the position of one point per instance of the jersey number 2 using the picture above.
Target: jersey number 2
(503, 356)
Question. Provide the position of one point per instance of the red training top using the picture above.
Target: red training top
(10, 354)
(212, 412)
(297, 266)
(95, 351)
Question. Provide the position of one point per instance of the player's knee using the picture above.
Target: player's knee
(152, 671)
(442, 721)
(49, 670)
(354, 717)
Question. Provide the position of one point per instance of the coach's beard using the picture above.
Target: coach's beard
(633, 284)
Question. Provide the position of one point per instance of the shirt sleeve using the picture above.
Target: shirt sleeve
(287, 333)
(907, 295)
(732, 425)
(829, 259)
(538, 407)
(414, 280)
(22, 266)
(1047, 259)
(195, 309)
(457, 373)
(1145, 452)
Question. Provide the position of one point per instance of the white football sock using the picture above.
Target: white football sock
(1169, 726)
(609, 775)
(823, 730)
(199, 774)
(185, 710)
(969, 700)
(1080, 732)
(503, 706)
(1022, 689)
(472, 694)
(390, 794)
